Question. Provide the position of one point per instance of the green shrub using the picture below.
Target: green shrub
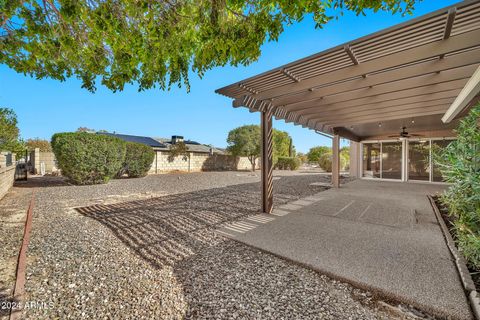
(325, 161)
(287, 163)
(138, 160)
(87, 158)
(459, 164)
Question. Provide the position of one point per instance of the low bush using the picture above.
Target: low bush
(459, 164)
(87, 158)
(325, 161)
(287, 163)
(138, 160)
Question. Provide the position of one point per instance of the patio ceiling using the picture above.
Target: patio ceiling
(412, 70)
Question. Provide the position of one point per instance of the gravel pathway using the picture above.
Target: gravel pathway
(13, 209)
(146, 249)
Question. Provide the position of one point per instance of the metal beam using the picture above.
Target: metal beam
(422, 52)
(246, 88)
(267, 161)
(468, 93)
(439, 91)
(458, 66)
(440, 110)
(411, 104)
(411, 111)
(449, 24)
(350, 53)
(456, 77)
(347, 134)
(290, 75)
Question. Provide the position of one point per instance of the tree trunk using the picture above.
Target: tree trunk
(253, 162)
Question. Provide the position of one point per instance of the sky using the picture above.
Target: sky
(47, 106)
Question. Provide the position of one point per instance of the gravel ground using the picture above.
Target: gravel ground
(146, 249)
(13, 210)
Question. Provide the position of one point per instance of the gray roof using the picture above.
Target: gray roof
(192, 146)
(165, 144)
(139, 139)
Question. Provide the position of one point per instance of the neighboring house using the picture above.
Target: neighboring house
(200, 157)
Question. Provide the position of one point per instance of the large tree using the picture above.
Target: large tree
(9, 132)
(245, 141)
(152, 43)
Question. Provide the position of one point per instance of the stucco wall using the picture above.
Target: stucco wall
(355, 169)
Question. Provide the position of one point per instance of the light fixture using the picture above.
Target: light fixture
(413, 121)
(351, 127)
(379, 124)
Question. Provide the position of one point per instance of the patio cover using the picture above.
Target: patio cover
(412, 74)
(412, 71)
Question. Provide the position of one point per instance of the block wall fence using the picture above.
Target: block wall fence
(7, 173)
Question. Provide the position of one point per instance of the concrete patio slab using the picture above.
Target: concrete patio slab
(382, 236)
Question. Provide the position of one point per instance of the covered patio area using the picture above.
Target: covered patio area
(393, 94)
(380, 236)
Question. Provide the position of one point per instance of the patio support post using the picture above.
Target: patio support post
(336, 161)
(266, 161)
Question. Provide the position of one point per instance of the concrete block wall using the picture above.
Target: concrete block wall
(48, 158)
(196, 162)
(7, 176)
(7, 173)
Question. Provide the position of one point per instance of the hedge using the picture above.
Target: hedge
(138, 160)
(459, 164)
(87, 158)
(287, 163)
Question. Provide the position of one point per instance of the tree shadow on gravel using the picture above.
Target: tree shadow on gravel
(165, 230)
(178, 231)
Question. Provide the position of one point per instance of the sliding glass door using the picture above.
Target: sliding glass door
(371, 160)
(382, 160)
(419, 160)
(402, 160)
(392, 160)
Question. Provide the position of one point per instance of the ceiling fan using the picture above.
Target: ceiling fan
(404, 134)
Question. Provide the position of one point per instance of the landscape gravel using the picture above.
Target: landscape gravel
(146, 249)
(13, 209)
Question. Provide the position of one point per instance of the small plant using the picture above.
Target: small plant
(459, 164)
(138, 160)
(88, 158)
(287, 163)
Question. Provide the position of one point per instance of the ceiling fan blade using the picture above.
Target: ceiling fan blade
(394, 136)
(416, 135)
